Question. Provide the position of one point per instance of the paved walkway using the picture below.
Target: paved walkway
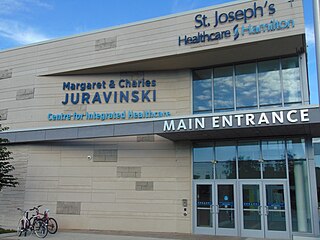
(112, 235)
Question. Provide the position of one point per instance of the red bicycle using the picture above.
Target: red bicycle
(51, 222)
(28, 225)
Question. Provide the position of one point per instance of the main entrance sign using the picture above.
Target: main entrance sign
(237, 120)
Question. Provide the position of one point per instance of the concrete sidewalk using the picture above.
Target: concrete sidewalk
(103, 235)
(117, 235)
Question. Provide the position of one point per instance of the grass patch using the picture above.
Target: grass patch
(6, 231)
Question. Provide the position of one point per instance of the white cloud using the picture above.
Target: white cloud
(310, 35)
(40, 3)
(183, 5)
(20, 33)
(8, 7)
(15, 30)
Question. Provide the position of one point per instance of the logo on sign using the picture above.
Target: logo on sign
(240, 16)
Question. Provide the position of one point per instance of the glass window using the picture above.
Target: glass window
(316, 147)
(274, 161)
(202, 167)
(202, 170)
(246, 86)
(204, 202)
(204, 154)
(223, 89)
(299, 182)
(202, 91)
(269, 83)
(296, 149)
(291, 80)
(218, 89)
(248, 157)
(225, 155)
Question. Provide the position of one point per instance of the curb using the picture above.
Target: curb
(5, 235)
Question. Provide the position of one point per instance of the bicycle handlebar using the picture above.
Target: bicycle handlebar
(37, 207)
(31, 209)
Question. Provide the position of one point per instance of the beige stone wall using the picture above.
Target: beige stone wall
(141, 191)
(26, 103)
(139, 41)
(28, 94)
(12, 198)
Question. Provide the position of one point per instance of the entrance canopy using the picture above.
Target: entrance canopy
(275, 122)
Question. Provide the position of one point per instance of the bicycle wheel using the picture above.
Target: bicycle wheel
(52, 226)
(40, 228)
(22, 228)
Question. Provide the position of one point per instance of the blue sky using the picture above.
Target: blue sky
(24, 22)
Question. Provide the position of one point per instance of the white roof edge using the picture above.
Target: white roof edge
(128, 24)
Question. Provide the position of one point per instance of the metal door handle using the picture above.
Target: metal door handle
(267, 210)
(211, 209)
(217, 207)
(259, 210)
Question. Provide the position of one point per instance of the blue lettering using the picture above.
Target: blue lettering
(248, 14)
(256, 10)
(223, 18)
(74, 101)
(107, 97)
(66, 86)
(66, 99)
(272, 9)
(124, 96)
(135, 96)
(145, 96)
(122, 83)
(153, 83)
(241, 14)
(231, 16)
(198, 20)
(115, 99)
(96, 98)
(154, 95)
(85, 98)
(83, 86)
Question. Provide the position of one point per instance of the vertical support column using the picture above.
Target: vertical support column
(304, 79)
(316, 16)
(313, 186)
(300, 196)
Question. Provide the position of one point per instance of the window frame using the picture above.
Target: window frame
(259, 106)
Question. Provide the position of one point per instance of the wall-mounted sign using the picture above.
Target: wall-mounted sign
(240, 19)
(104, 116)
(237, 120)
(103, 92)
(106, 92)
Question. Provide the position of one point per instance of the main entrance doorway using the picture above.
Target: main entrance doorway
(215, 209)
(242, 208)
(263, 209)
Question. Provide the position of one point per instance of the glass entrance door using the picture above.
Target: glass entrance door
(215, 210)
(264, 209)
